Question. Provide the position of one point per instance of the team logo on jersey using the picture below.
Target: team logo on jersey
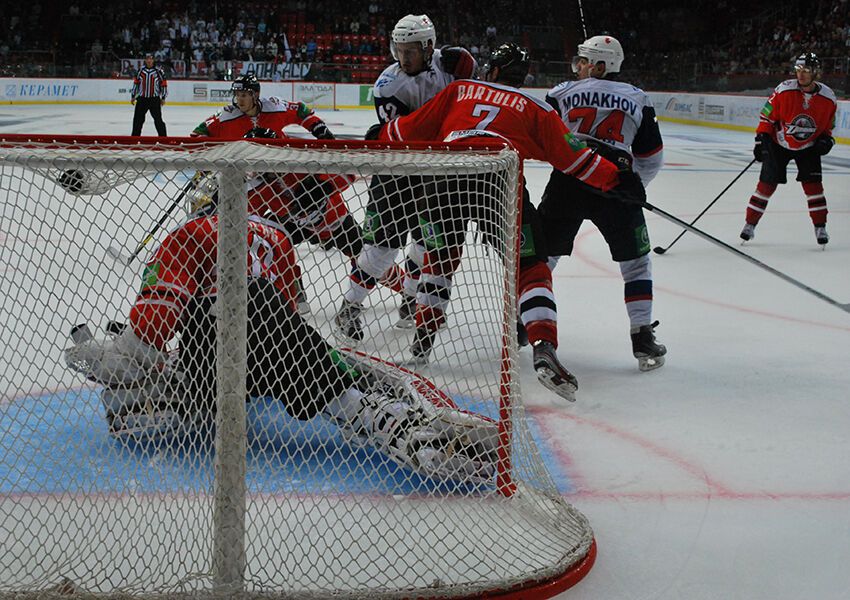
(432, 234)
(303, 110)
(575, 143)
(150, 275)
(801, 128)
(526, 242)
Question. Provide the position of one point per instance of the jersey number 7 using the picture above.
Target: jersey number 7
(611, 127)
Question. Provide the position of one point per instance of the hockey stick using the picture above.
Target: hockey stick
(581, 15)
(842, 305)
(116, 254)
(660, 250)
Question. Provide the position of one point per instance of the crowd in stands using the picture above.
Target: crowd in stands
(668, 43)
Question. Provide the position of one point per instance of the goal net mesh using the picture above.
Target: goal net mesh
(180, 489)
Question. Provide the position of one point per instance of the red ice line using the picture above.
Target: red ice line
(715, 490)
(577, 253)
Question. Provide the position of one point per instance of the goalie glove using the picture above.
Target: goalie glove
(124, 361)
(320, 131)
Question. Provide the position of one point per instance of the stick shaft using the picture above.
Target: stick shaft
(710, 238)
(705, 210)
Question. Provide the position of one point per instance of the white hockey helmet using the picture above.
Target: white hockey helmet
(604, 49)
(413, 28)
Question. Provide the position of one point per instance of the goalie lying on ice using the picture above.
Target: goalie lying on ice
(149, 394)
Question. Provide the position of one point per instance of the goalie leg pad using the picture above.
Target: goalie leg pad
(444, 444)
(148, 412)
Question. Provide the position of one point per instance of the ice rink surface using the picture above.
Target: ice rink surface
(725, 474)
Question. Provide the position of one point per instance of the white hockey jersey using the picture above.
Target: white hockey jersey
(396, 93)
(613, 112)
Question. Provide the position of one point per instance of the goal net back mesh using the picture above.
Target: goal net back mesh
(199, 445)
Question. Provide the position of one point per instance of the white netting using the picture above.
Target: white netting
(320, 484)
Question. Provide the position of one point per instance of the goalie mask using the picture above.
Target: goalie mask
(414, 28)
(600, 49)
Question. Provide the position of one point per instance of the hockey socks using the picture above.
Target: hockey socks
(816, 201)
(758, 201)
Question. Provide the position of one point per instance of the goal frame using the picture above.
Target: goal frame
(230, 461)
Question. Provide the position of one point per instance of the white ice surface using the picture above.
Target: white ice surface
(725, 474)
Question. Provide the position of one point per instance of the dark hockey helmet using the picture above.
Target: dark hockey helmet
(512, 61)
(808, 60)
(247, 82)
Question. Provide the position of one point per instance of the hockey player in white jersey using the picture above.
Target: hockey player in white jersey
(421, 71)
(619, 120)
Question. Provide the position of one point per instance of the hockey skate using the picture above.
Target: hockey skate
(420, 349)
(552, 373)
(348, 322)
(649, 353)
(749, 232)
(821, 235)
(406, 313)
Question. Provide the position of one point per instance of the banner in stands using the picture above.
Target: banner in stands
(263, 69)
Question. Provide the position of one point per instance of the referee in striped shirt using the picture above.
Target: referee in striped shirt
(149, 91)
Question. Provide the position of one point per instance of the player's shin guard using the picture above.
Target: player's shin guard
(537, 308)
(816, 201)
(432, 298)
(637, 290)
(758, 201)
(368, 268)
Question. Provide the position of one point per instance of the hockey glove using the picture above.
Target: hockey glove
(320, 131)
(374, 132)
(823, 144)
(457, 62)
(309, 200)
(630, 190)
(760, 149)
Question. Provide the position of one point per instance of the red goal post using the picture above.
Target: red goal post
(512, 537)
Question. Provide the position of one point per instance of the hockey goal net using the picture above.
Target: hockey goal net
(256, 503)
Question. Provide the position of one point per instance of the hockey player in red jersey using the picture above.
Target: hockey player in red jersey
(495, 109)
(249, 111)
(795, 124)
(321, 216)
(619, 120)
(151, 394)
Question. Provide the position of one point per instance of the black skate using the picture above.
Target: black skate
(748, 232)
(821, 235)
(649, 353)
(406, 313)
(420, 349)
(347, 320)
(552, 373)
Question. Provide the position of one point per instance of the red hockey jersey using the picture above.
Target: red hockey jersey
(473, 109)
(184, 267)
(795, 118)
(275, 114)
